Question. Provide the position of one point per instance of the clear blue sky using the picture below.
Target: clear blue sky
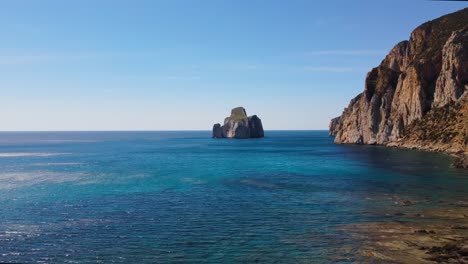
(170, 65)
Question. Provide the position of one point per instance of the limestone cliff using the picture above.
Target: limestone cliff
(416, 97)
(238, 125)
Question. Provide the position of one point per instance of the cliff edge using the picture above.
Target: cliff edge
(417, 97)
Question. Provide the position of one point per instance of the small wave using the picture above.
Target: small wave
(192, 181)
(24, 179)
(57, 164)
(30, 154)
(68, 141)
(14, 230)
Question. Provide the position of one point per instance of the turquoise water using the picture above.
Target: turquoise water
(159, 197)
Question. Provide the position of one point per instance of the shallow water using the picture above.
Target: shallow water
(184, 197)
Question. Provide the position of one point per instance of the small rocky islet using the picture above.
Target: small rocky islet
(239, 125)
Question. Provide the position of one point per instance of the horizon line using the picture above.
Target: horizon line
(169, 130)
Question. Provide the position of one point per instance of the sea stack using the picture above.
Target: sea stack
(239, 125)
(418, 96)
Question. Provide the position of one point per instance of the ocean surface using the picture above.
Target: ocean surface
(183, 197)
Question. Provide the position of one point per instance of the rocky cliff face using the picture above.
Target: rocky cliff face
(334, 125)
(404, 95)
(238, 125)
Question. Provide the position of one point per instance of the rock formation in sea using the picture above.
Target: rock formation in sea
(239, 125)
(417, 97)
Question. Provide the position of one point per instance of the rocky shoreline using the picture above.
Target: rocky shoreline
(417, 98)
(460, 158)
(409, 232)
(431, 236)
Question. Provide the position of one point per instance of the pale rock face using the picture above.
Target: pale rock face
(335, 126)
(408, 102)
(430, 70)
(418, 40)
(239, 125)
(398, 58)
(236, 128)
(453, 78)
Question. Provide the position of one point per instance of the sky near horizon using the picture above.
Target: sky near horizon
(182, 65)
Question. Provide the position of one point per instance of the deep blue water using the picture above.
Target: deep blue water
(161, 197)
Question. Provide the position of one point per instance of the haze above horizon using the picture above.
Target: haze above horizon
(183, 65)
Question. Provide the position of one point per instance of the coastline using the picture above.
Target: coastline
(429, 236)
(460, 157)
(416, 98)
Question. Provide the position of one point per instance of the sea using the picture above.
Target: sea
(183, 197)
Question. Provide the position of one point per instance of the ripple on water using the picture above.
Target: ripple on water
(30, 154)
(12, 180)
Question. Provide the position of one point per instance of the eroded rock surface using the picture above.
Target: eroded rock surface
(239, 125)
(416, 79)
